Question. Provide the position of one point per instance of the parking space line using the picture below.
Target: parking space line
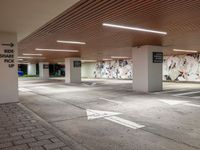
(124, 122)
(186, 93)
(193, 105)
(169, 91)
(112, 101)
(196, 97)
(24, 90)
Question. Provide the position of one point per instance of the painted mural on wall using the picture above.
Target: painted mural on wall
(175, 68)
(118, 69)
(182, 67)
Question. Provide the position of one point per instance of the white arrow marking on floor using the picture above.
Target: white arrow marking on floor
(108, 115)
(105, 99)
(95, 114)
(175, 102)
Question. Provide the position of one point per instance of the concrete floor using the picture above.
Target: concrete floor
(135, 121)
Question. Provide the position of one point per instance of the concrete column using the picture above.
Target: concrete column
(9, 66)
(147, 68)
(44, 70)
(31, 69)
(72, 70)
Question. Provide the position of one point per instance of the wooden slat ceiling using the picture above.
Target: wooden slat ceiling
(83, 22)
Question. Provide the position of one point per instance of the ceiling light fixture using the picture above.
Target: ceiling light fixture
(106, 59)
(27, 54)
(24, 57)
(71, 42)
(88, 60)
(120, 57)
(23, 63)
(134, 28)
(182, 50)
(57, 50)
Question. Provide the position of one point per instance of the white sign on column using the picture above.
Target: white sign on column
(9, 66)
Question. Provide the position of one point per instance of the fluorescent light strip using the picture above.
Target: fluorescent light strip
(71, 42)
(24, 57)
(106, 59)
(120, 57)
(23, 63)
(26, 54)
(56, 50)
(134, 28)
(182, 50)
(88, 60)
(39, 57)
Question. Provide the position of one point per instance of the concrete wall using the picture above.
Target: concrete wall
(72, 73)
(44, 71)
(8, 72)
(87, 70)
(31, 69)
(140, 74)
(147, 75)
(155, 70)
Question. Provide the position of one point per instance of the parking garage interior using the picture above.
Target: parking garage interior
(99, 75)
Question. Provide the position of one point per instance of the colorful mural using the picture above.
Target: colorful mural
(119, 69)
(175, 68)
(182, 68)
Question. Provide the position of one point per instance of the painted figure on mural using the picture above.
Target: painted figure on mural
(181, 68)
(116, 69)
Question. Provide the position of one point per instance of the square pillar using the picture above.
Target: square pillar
(72, 70)
(9, 67)
(44, 70)
(32, 69)
(147, 68)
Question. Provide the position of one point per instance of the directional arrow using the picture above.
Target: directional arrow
(95, 114)
(175, 102)
(8, 44)
(111, 116)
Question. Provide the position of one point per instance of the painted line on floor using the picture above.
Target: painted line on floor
(24, 90)
(193, 105)
(124, 122)
(186, 93)
(196, 97)
(163, 92)
(112, 101)
(175, 102)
